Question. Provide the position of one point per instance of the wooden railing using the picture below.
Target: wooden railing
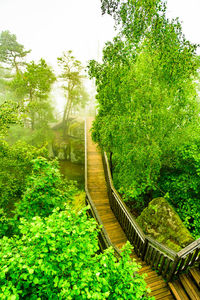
(167, 262)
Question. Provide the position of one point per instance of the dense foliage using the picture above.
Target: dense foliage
(15, 165)
(9, 115)
(48, 249)
(148, 101)
(44, 191)
(54, 252)
(55, 258)
(25, 112)
(180, 178)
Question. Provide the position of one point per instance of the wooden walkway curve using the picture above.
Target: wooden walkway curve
(98, 192)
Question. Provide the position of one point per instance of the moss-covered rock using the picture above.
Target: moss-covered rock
(160, 221)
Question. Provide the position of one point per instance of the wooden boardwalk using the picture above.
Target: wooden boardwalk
(98, 192)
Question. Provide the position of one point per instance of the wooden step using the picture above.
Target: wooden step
(169, 297)
(190, 287)
(160, 293)
(177, 290)
(195, 273)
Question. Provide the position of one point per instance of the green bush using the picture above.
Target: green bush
(44, 191)
(180, 178)
(15, 166)
(7, 225)
(55, 258)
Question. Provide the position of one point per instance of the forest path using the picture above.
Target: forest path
(98, 192)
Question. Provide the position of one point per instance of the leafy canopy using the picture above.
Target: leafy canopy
(147, 94)
(15, 165)
(55, 258)
(11, 52)
(54, 253)
(33, 87)
(44, 191)
(9, 115)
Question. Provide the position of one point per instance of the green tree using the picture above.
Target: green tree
(73, 85)
(11, 52)
(14, 160)
(147, 95)
(34, 86)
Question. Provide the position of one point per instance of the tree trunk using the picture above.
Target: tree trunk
(16, 65)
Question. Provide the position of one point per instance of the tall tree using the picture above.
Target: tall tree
(146, 92)
(11, 52)
(34, 86)
(72, 76)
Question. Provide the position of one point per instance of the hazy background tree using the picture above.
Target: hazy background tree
(72, 77)
(9, 115)
(24, 103)
(11, 52)
(33, 86)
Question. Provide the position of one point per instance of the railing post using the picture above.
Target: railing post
(173, 268)
(144, 249)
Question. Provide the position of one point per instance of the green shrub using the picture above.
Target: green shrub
(45, 190)
(180, 178)
(15, 166)
(55, 258)
(7, 224)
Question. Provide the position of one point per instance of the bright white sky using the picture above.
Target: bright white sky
(49, 27)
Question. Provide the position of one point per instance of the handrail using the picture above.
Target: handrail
(194, 245)
(121, 203)
(167, 262)
(171, 253)
(104, 239)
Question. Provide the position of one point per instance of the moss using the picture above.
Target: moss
(160, 221)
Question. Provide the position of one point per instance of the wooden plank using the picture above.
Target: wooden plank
(195, 273)
(159, 294)
(164, 297)
(157, 285)
(168, 297)
(177, 290)
(190, 287)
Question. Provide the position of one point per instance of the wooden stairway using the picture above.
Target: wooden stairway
(187, 286)
(98, 192)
